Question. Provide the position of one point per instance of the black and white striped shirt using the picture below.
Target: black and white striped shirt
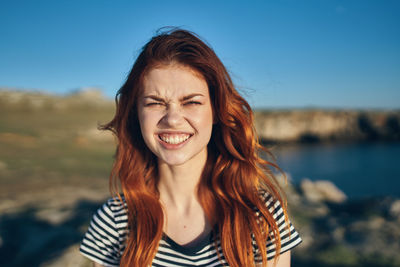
(104, 242)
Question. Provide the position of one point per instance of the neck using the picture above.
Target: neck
(178, 184)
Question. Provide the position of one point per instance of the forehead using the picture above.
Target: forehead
(173, 80)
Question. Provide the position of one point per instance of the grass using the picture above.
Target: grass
(55, 146)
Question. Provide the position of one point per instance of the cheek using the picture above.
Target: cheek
(146, 122)
(204, 119)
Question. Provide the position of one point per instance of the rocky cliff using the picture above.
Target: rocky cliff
(327, 125)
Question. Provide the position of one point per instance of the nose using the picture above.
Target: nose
(173, 116)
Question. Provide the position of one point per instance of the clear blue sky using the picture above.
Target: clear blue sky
(281, 54)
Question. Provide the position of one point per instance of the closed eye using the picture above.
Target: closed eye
(153, 104)
(192, 103)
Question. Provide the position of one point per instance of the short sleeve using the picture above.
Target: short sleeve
(104, 241)
(290, 238)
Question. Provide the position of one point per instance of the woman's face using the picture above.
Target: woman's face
(175, 114)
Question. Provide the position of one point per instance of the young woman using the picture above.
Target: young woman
(194, 190)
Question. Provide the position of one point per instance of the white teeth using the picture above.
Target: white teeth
(174, 139)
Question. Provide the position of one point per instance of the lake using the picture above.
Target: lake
(359, 170)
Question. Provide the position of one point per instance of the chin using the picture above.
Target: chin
(173, 161)
(179, 159)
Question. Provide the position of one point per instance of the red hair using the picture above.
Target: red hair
(234, 173)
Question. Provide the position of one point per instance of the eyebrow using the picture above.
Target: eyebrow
(190, 96)
(157, 98)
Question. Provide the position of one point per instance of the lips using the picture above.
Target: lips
(174, 139)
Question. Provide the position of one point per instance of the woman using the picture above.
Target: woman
(194, 190)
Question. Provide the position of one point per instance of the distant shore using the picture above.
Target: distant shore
(272, 126)
(310, 126)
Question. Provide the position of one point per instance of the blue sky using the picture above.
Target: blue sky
(281, 54)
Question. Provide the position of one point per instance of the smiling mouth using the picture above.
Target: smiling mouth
(174, 139)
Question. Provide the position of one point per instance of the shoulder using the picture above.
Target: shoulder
(288, 235)
(116, 208)
(273, 205)
(105, 238)
(112, 214)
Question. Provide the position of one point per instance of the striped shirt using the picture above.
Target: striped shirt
(104, 242)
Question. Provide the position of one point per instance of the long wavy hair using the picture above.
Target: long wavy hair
(234, 174)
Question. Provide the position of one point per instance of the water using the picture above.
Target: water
(359, 170)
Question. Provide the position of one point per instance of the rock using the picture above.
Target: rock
(394, 209)
(309, 192)
(374, 236)
(285, 182)
(376, 223)
(330, 192)
(327, 125)
(320, 191)
(338, 234)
